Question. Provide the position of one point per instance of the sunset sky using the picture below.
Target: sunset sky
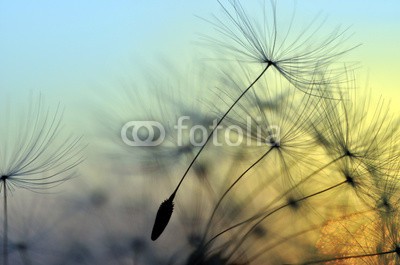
(84, 83)
(66, 49)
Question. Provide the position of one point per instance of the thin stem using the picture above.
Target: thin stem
(271, 203)
(279, 242)
(5, 225)
(284, 206)
(269, 214)
(165, 210)
(230, 188)
(217, 125)
(304, 180)
(251, 196)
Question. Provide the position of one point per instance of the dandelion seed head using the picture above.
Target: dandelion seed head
(274, 143)
(39, 156)
(348, 153)
(350, 180)
(293, 203)
(298, 57)
(385, 204)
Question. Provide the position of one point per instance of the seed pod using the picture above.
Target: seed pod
(162, 218)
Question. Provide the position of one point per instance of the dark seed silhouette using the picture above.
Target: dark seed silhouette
(162, 218)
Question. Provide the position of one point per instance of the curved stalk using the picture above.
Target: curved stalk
(5, 224)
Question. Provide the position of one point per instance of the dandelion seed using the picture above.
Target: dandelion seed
(302, 64)
(37, 158)
(357, 129)
(297, 56)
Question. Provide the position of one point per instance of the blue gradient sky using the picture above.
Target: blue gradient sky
(73, 48)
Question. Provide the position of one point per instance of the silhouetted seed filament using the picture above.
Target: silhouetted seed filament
(162, 218)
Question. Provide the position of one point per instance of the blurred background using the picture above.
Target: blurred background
(87, 55)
